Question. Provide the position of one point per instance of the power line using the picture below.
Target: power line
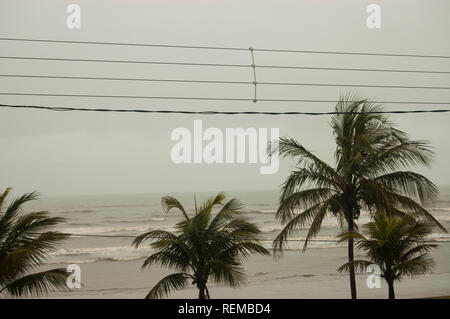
(356, 85)
(230, 48)
(59, 108)
(128, 79)
(129, 44)
(130, 96)
(204, 98)
(351, 69)
(128, 61)
(222, 82)
(226, 65)
(406, 55)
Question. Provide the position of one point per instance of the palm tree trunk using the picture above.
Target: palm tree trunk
(350, 260)
(207, 293)
(201, 292)
(391, 289)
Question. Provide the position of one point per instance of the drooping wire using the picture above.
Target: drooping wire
(68, 109)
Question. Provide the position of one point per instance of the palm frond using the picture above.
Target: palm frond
(13, 210)
(301, 199)
(231, 274)
(289, 147)
(168, 258)
(3, 197)
(38, 284)
(153, 234)
(415, 209)
(413, 267)
(410, 184)
(351, 235)
(228, 211)
(243, 249)
(169, 202)
(314, 213)
(359, 265)
(166, 285)
(24, 245)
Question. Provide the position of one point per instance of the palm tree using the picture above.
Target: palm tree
(369, 155)
(396, 244)
(203, 246)
(24, 244)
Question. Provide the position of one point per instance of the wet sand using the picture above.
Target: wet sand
(296, 275)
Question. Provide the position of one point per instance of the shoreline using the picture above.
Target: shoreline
(296, 275)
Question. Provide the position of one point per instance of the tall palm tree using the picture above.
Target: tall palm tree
(397, 245)
(24, 244)
(370, 172)
(203, 246)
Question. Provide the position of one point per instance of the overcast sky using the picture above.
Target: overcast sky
(95, 153)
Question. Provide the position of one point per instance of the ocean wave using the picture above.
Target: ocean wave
(110, 230)
(128, 252)
(93, 260)
(156, 219)
(125, 206)
(87, 258)
(445, 209)
(94, 254)
(261, 211)
(96, 250)
(102, 230)
(295, 276)
(439, 237)
(75, 211)
(296, 243)
(117, 220)
(271, 228)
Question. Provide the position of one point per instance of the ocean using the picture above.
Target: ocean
(104, 226)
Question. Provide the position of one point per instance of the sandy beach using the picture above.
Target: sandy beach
(296, 275)
(104, 227)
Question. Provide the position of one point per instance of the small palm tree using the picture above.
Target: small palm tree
(203, 246)
(24, 244)
(396, 244)
(370, 171)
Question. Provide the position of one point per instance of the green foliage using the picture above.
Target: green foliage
(24, 243)
(203, 247)
(371, 171)
(370, 160)
(396, 244)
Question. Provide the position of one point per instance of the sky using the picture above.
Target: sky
(72, 153)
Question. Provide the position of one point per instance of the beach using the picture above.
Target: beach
(104, 227)
(295, 276)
